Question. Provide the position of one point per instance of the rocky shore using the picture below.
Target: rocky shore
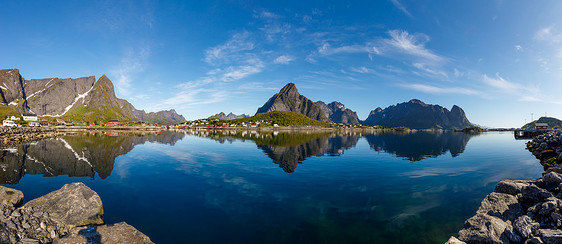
(72, 214)
(10, 135)
(522, 211)
(547, 148)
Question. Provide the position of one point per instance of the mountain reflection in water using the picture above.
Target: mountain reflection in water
(290, 149)
(81, 155)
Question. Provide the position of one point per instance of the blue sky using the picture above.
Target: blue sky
(498, 60)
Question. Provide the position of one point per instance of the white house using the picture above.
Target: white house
(30, 117)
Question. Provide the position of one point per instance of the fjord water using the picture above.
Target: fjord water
(206, 187)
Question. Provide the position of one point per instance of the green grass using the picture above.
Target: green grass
(283, 118)
(6, 110)
(93, 115)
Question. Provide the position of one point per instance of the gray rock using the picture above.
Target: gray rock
(116, 233)
(511, 187)
(525, 226)
(501, 205)
(289, 99)
(534, 240)
(534, 194)
(454, 240)
(553, 177)
(551, 236)
(11, 196)
(483, 228)
(547, 207)
(73, 205)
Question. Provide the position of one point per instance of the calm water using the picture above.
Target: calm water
(278, 188)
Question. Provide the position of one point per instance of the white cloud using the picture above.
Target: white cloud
(233, 73)
(440, 90)
(283, 59)
(518, 48)
(133, 62)
(411, 44)
(523, 93)
(362, 70)
(400, 6)
(424, 67)
(232, 50)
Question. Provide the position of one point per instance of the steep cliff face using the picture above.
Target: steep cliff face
(80, 99)
(289, 99)
(338, 113)
(416, 114)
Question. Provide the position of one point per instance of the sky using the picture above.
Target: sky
(501, 61)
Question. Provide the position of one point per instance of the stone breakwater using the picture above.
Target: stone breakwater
(9, 135)
(547, 148)
(518, 211)
(72, 214)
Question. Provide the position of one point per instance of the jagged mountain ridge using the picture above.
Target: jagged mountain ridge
(338, 113)
(289, 99)
(82, 99)
(416, 114)
(230, 116)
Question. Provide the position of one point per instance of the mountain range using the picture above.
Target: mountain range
(230, 116)
(414, 114)
(81, 99)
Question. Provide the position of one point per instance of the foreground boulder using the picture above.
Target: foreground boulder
(116, 233)
(10, 196)
(73, 205)
(68, 215)
(518, 212)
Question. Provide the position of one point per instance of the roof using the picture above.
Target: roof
(113, 121)
(541, 124)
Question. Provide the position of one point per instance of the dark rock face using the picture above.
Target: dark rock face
(289, 99)
(337, 112)
(230, 116)
(417, 115)
(58, 97)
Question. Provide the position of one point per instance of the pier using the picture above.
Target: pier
(523, 134)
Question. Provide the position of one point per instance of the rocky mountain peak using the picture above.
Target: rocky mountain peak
(289, 99)
(290, 89)
(417, 101)
(418, 115)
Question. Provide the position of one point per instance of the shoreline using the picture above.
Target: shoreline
(522, 211)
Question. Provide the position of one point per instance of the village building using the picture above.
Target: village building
(30, 117)
(112, 122)
(541, 126)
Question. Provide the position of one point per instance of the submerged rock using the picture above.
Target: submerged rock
(73, 205)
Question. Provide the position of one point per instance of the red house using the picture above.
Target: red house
(112, 122)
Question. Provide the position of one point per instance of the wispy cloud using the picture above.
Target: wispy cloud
(518, 48)
(548, 34)
(430, 71)
(440, 90)
(284, 59)
(414, 45)
(400, 6)
(233, 50)
(133, 62)
(523, 93)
